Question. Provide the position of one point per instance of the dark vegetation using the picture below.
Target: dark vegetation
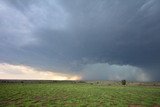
(108, 83)
(40, 81)
(123, 82)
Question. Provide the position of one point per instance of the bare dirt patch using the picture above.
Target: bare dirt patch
(156, 105)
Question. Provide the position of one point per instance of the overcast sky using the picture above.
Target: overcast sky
(80, 39)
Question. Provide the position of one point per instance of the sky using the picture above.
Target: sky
(80, 39)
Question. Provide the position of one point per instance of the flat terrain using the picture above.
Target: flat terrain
(77, 94)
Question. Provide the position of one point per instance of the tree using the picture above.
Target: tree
(123, 82)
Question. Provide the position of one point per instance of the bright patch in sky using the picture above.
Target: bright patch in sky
(8, 71)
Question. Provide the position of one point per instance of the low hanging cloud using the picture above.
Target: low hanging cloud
(8, 71)
(105, 71)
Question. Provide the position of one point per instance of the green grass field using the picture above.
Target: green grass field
(78, 94)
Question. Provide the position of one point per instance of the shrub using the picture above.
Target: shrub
(123, 82)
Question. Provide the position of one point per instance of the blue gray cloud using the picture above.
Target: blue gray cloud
(70, 35)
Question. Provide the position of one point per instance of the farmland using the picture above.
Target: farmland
(71, 94)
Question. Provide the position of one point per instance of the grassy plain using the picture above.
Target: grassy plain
(77, 94)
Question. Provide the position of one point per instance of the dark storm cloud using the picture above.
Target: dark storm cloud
(72, 34)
